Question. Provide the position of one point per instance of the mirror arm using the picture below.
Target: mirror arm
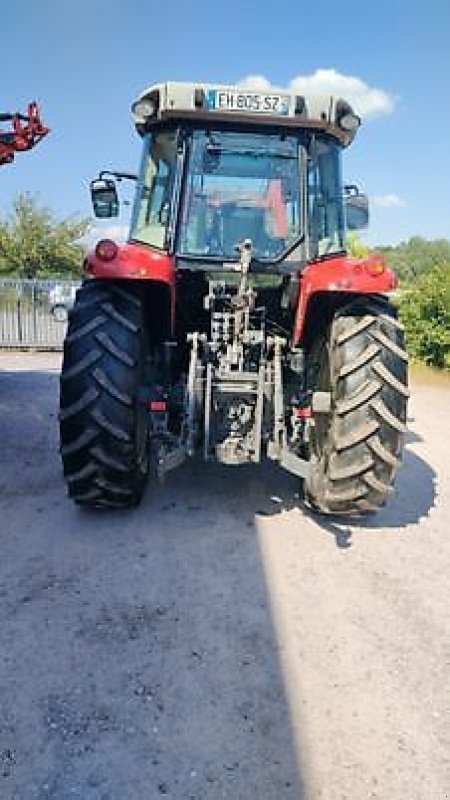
(129, 176)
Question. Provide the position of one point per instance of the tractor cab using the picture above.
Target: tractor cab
(220, 165)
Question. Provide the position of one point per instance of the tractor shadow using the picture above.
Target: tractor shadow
(273, 491)
(412, 500)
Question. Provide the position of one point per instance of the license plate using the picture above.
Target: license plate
(247, 102)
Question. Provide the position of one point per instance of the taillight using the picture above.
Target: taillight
(375, 267)
(302, 413)
(106, 250)
(157, 405)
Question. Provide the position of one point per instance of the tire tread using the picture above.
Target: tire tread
(99, 401)
(355, 469)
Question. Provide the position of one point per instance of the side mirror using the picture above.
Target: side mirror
(104, 198)
(356, 208)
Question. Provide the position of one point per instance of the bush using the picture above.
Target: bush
(412, 259)
(424, 309)
(355, 246)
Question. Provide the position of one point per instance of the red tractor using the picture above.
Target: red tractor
(25, 132)
(233, 321)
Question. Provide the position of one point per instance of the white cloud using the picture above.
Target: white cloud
(368, 101)
(254, 82)
(388, 201)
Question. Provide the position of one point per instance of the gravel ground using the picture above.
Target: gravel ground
(218, 641)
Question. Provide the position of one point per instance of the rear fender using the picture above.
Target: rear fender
(138, 263)
(329, 283)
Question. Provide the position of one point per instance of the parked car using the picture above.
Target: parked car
(61, 298)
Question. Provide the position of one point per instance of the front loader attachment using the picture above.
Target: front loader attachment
(25, 131)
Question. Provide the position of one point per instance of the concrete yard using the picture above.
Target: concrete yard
(219, 641)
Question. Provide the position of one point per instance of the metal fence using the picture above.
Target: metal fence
(34, 313)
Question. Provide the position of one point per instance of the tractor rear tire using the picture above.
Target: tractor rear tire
(355, 449)
(103, 422)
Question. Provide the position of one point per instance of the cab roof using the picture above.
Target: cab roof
(274, 107)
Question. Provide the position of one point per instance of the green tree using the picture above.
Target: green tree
(414, 258)
(34, 244)
(424, 309)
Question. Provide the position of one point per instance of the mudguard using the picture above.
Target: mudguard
(135, 262)
(132, 261)
(341, 274)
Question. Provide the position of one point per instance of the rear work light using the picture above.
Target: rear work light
(350, 122)
(106, 250)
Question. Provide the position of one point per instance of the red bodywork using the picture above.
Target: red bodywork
(341, 274)
(26, 131)
(137, 262)
(337, 274)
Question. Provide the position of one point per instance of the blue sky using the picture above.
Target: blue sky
(85, 61)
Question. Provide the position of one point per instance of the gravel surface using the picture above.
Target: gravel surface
(218, 641)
